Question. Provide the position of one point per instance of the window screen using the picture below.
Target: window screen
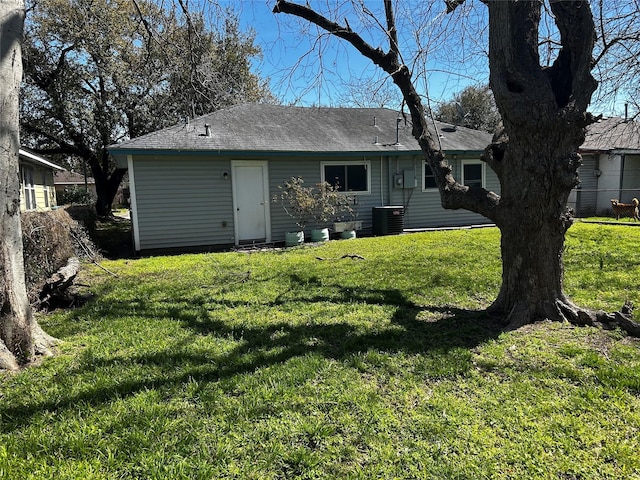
(472, 174)
(429, 178)
(347, 178)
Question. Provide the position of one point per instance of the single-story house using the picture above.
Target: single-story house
(66, 180)
(210, 182)
(611, 166)
(36, 181)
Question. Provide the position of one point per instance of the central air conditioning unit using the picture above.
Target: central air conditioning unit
(388, 220)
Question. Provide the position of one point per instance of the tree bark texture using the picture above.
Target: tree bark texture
(106, 186)
(534, 155)
(15, 313)
(21, 338)
(544, 112)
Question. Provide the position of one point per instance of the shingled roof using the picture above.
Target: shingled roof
(277, 128)
(66, 177)
(612, 134)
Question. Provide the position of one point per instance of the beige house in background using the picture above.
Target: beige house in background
(37, 190)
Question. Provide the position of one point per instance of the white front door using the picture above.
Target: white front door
(251, 201)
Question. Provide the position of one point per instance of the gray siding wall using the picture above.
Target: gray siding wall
(631, 177)
(587, 196)
(281, 169)
(423, 208)
(183, 201)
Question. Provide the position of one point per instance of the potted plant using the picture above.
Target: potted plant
(327, 206)
(347, 221)
(298, 202)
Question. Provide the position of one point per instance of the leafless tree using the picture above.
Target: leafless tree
(544, 110)
(616, 56)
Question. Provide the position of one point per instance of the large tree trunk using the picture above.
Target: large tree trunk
(533, 221)
(106, 188)
(15, 314)
(20, 336)
(535, 157)
(532, 273)
(544, 110)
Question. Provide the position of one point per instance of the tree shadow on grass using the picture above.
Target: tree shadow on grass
(429, 331)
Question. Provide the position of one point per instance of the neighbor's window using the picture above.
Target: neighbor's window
(29, 188)
(473, 173)
(347, 176)
(45, 186)
(429, 179)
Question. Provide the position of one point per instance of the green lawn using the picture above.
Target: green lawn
(279, 365)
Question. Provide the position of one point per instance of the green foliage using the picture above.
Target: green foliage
(473, 107)
(97, 72)
(278, 365)
(75, 195)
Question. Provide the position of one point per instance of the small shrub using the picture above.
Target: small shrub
(75, 195)
(330, 205)
(296, 200)
(322, 203)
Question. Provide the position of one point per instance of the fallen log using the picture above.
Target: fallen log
(54, 291)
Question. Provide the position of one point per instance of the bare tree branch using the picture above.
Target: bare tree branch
(453, 194)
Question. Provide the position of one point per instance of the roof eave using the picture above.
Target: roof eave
(38, 159)
(265, 153)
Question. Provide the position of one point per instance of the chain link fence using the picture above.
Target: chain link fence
(591, 202)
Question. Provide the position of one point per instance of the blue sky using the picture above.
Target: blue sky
(329, 72)
(294, 67)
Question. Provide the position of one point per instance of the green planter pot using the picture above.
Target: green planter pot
(291, 239)
(320, 235)
(347, 234)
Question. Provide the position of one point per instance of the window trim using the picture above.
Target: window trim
(483, 176)
(425, 168)
(45, 190)
(367, 167)
(29, 189)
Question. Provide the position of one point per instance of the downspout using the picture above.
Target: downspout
(389, 180)
(381, 184)
(621, 184)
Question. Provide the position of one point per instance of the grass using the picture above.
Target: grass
(278, 365)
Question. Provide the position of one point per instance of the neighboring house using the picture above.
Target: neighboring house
(36, 181)
(610, 168)
(209, 182)
(66, 180)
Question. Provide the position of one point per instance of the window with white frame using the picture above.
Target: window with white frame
(348, 176)
(473, 173)
(29, 188)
